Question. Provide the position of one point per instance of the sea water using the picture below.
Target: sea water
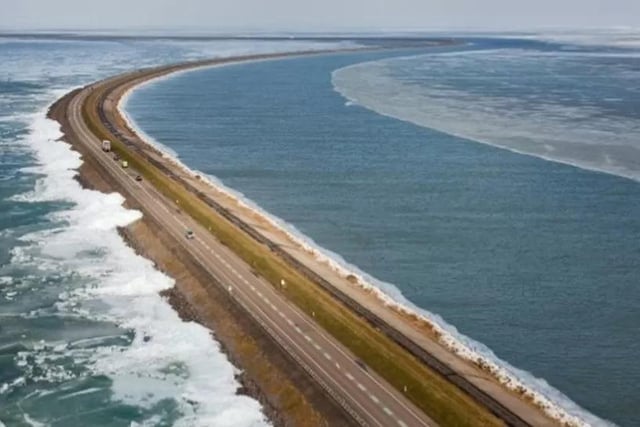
(85, 338)
(409, 166)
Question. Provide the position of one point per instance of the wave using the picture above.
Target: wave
(166, 358)
(551, 400)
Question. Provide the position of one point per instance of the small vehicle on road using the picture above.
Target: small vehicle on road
(125, 164)
(189, 234)
(138, 178)
(361, 364)
(116, 157)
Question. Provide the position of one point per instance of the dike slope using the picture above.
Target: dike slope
(406, 338)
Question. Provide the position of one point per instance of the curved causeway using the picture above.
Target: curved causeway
(379, 366)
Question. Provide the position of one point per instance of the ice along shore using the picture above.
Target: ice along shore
(382, 346)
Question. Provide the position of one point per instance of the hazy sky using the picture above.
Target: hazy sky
(300, 15)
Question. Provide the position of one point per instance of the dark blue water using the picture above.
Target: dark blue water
(540, 261)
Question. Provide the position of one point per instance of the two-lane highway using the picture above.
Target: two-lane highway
(369, 399)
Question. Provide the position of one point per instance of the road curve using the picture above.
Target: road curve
(366, 397)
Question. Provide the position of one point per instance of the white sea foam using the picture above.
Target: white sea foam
(551, 400)
(21, 118)
(177, 360)
(32, 422)
(168, 358)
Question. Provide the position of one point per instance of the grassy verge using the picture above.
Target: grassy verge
(435, 395)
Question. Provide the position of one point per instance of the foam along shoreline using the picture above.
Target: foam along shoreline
(128, 288)
(553, 402)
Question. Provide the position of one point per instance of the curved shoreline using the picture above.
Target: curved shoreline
(345, 271)
(118, 93)
(619, 173)
(466, 348)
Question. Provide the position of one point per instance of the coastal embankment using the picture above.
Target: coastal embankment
(386, 344)
(286, 393)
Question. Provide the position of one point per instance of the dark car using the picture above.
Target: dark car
(361, 364)
(138, 178)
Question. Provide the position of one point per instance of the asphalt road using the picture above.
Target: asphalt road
(369, 399)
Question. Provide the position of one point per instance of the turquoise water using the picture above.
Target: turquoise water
(537, 260)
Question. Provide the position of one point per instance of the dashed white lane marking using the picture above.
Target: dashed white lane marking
(326, 355)
(373, 398)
